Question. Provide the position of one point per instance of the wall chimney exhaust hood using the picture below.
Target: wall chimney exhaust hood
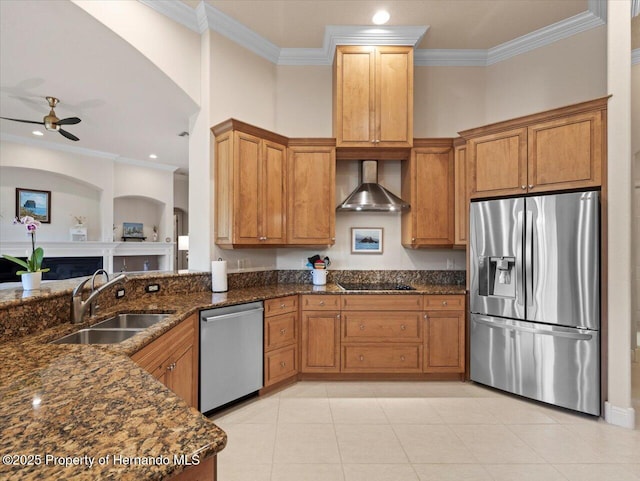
(370, 196)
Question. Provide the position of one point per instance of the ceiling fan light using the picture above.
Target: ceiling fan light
(38, 133)
(381, 17)
(153, 156)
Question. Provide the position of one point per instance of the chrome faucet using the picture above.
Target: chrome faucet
(78, 306)
(92, 306)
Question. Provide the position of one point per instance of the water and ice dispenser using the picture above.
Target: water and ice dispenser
(497, 276)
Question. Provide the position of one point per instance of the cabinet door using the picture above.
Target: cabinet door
(279, 365)
(181, 374)
(224, 188)
(311, 186)
(566, 153)
(320, 341)
(461, 195)
(498, 164)
(247, 192)
(394, 97)
(354, 96)
(444, 341)
(272, 183)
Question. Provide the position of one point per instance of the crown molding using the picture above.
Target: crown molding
(635, 56)
(206, 17)
(72, 149)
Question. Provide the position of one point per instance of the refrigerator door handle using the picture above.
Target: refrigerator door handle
(528, 259)
(578, 336)
(519, 274)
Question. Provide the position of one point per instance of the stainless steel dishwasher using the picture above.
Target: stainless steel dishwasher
(231, 353)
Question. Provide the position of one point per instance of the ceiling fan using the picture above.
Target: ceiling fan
(51, 122)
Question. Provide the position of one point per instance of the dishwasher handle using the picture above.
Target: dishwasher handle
(232, 315)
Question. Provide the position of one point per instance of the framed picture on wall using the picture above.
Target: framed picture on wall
(133, 230)
(34, 203)
(366, 240)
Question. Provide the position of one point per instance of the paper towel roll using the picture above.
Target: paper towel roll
(219, 276)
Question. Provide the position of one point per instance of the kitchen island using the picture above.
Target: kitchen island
(89, 412)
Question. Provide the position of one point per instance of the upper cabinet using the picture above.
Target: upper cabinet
(428, 185)
(550, 151)
(461, 188)
(311, 173)
(250, 194)
(373, 96)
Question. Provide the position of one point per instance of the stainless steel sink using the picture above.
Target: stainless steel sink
(130, 320)
(97, 336)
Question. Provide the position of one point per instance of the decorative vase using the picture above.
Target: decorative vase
(31, 280)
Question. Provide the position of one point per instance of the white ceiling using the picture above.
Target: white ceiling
(129, 109)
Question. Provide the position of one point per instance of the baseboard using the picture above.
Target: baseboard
(623, 417)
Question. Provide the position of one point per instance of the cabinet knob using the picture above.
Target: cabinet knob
(531, 186)
(425, 316)
(524, 187)
(283, 364)
(283, 305)
(337, 316)
(361, 357)
(171, 366)
(403, 327)
(444, 303)
(282, 331)
(321, 303)
(373, 141)
(413, 239)
(333, 238)
(402, 358)
(362, 327)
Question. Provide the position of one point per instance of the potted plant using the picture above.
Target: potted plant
(32, 276)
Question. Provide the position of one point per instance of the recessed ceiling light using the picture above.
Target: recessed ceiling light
(381, 17)
(38, 133)
(153, 156)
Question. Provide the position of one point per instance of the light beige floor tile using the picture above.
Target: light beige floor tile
(494, 444)
(432, 443)
(362, 443)
(306, 444)
(557, 444)
(350, 389)
(410, 411)
(515, 411)
(305, 389)
(524, 472)
(473, 389)
(306, 472)
(451, 472)
(420, 389)
(357, 411)
(379, 472)
(249, 443)
(633, 468)
(613, 443)
(256, 411)
(244, 472)
(463, 411)
(565, 416)
(304, 410)
(596, 472)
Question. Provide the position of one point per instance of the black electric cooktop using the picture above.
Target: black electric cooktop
(376, 286)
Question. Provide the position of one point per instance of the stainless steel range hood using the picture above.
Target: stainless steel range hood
(371, 196)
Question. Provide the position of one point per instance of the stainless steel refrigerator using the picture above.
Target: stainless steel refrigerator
(535, 297)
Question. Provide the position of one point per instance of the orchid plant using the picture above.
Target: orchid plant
(34, 262)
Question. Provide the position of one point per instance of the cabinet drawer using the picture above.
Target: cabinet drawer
(279, 365)
(384, 302)
(280, 305)
(320, 302)
(453, 302)
(371, 358)
(389, 326)
(279, 330)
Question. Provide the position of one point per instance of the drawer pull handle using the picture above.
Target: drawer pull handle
(402, 358)
(403, 327)
(283, 364)
(321, 303)
(444, 303)
(171, 366)
(282, 331)
(283, 305)
(362, 327)
(361, 357)
(425, 316)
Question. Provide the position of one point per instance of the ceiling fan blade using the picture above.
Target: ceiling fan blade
(68, 135)
(23, 121)
(69, 121)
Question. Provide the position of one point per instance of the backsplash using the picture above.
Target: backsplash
(369, 276)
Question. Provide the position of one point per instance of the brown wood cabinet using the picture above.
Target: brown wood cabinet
(280, 339)
(205, 471)
(373, 96)
(461, 193)
(311, 174)
(173, 359)
(551, 151)
(428, 185)
(444, 347)
(251, 198)
(320, 343)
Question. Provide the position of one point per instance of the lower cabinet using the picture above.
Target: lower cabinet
(280, 339)
(444, 348)
(173, 359)
(205, 471)
(320, 334)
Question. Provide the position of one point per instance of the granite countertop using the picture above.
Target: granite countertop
(80, 403)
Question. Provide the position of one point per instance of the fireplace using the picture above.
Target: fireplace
(61, 268)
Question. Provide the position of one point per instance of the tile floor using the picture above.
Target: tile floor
(418, 431)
